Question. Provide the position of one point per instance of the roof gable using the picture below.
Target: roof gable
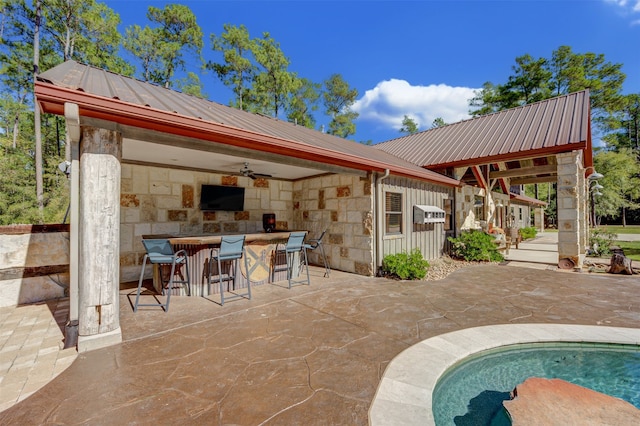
(554, 125)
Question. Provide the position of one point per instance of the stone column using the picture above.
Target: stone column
(538, 218)
(570, 198)
(99, 239)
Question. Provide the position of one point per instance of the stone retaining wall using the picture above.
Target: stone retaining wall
(34, 263)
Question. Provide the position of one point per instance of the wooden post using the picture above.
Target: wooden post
(99, 239)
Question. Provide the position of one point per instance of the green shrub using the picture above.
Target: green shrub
(528, 232)
(600, 241)
(475, 246)
(406, 266)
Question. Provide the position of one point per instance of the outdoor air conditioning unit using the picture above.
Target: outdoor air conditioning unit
(428, 214)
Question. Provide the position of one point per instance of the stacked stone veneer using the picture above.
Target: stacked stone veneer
(343, 204)
(158, 200)
(465, 216)
(572, 225)
(465, 199)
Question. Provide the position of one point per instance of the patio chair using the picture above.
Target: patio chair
(296, 250)
(159, 252)
(230, 251)
(316, 243)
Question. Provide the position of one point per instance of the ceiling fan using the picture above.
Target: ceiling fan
(247, 172)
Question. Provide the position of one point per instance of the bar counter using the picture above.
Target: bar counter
(266, 263)
(215, 239)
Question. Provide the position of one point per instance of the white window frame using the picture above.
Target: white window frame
(389, 213)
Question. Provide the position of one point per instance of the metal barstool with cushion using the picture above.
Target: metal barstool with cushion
(231, 250)
(160, 252)
(296, 246)
(315, 243)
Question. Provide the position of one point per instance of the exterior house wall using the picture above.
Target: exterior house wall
(158, 200)
(342, 204)
(465, 216)
(521, 214)
(428, 238)
(511, 215)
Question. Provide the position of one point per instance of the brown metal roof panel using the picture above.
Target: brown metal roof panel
(547, 124)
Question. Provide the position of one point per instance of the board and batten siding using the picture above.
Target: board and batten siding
(429, 238)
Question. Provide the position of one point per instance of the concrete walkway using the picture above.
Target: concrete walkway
(541, 252)
(314, 354)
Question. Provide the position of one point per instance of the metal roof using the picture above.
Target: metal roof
(551, 126)
(106, 95)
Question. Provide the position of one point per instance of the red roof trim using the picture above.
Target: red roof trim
(527, 200)
(582, 145)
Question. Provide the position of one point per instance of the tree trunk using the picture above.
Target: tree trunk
(36, 110)
(16, 129)
(624, 217)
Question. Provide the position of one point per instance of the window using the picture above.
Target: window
(393, 212)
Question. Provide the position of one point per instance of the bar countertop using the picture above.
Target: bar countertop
(215, 239)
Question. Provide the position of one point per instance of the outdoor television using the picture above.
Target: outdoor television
(218, 198)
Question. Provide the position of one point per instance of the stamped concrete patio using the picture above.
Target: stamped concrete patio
(311, 355)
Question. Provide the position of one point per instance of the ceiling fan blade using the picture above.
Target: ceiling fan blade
(263, 175)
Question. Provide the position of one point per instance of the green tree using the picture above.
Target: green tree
(338, 98)
(30, 42)
(143, 43)
(237, 69)
(273, 84)
(191, 85)
(409, 125)
(621, 183)
(438, 122)
(566, 72)
(304, 101)
(530, 80)
(161, 48)
(624, 126)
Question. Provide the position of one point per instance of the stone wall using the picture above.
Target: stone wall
(343, 204)
(158, 200)
(466, 218)
(34, 263)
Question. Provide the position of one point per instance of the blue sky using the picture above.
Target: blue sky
(419, 58)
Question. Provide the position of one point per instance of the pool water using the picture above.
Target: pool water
(471, 393)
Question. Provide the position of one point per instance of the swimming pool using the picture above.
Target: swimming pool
(472, 391)
(404, 394)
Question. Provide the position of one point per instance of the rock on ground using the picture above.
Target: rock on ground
(552, 402)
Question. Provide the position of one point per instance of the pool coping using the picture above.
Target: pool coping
(404, 395)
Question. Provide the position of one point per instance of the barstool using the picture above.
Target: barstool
(231, 250)
(160, 252)
(295, 244)
(317, 243)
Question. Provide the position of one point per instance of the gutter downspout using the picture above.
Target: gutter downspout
(72, 119)
(379, 214)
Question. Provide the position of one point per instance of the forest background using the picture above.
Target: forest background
(37, 35)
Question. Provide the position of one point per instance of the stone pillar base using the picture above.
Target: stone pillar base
(99, 341)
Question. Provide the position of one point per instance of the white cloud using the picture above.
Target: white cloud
(391, 100)
(632, 6)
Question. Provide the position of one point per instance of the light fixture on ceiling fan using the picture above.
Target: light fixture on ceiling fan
(247, 172)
